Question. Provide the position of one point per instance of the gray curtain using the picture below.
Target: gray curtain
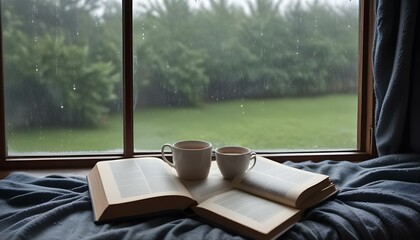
(396, 70)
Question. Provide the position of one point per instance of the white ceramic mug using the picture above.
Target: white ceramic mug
(234, 160)
(191, 159)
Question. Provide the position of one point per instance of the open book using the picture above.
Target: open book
(262, 204)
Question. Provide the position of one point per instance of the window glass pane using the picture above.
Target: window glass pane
(62, 76)
(270, 75)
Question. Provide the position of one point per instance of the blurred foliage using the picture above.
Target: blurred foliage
(63, 59)
(53, 77)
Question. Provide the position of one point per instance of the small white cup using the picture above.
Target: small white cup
(234, 160)
(191, 159)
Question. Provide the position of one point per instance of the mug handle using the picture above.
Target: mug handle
(253, 157)
(163, 154)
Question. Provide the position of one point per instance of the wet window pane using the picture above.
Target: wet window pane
(266, 74)
(62, 76)
(270, 75)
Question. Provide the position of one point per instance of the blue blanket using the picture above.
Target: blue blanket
(378, 199)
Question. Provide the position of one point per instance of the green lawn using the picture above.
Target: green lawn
(327, 122)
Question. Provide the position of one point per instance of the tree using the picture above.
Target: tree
(227, 58)
(265, 33)
(170, 70)
(326, 58)
(51, 77)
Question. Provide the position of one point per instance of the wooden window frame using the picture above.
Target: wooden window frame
(365, 143)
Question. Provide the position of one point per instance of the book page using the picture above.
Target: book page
(213, 185)
(249, 210)
(277, 182)
(139, 178)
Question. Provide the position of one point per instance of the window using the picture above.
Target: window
(62, 77)
(106, 79)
